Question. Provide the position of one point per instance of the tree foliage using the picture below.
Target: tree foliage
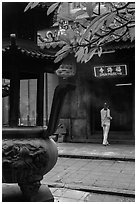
(92, 26)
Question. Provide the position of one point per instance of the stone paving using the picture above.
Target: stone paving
(91, 150)
(93, 175)
(67, 195)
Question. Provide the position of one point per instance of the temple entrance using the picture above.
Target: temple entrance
(120, 97)
(120, 100)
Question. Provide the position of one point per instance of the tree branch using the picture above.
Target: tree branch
(121, 8)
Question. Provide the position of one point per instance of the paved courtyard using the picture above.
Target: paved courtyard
(91, 150)
(98, 176)
(68, 195)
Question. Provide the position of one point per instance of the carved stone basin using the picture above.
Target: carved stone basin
(27, 155)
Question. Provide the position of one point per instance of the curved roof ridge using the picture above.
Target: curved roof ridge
(26, 47)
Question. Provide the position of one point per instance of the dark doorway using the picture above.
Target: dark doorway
(120, 100)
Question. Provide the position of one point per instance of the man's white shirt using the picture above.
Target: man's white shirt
(105, 117)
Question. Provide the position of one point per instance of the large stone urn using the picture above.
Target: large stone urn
(27, 156)
(28, 153)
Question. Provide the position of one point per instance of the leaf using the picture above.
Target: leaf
(94, 22)
(120, 31)
(60, 57)
(65, 6)
(55, 24)
(64, 9)
(99, 51)
(83, 4)
(64, 49)
(65, 16)
(129, 16)
(125, 38)
(85, 54)
(77, 52)
(28, 6)
(31, 5)
(82, 21)
(89, 8)
(108, 5)
(97, 26)
(34, 5)
(90, 55)
(110, 19)
(101, 41)
(79, 13)
(132, 33)
(52, 8)
(80, 54)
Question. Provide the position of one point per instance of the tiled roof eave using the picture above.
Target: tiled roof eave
(29, 53)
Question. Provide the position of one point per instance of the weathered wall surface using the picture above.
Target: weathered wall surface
(81, 110)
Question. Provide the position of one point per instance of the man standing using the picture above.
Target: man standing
(105, 123)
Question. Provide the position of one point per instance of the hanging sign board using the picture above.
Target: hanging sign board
(110, 71)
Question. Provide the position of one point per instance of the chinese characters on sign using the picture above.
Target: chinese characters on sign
(112, 70)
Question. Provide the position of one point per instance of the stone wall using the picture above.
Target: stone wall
(81, 110)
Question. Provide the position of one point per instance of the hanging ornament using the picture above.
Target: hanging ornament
(67, 68)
